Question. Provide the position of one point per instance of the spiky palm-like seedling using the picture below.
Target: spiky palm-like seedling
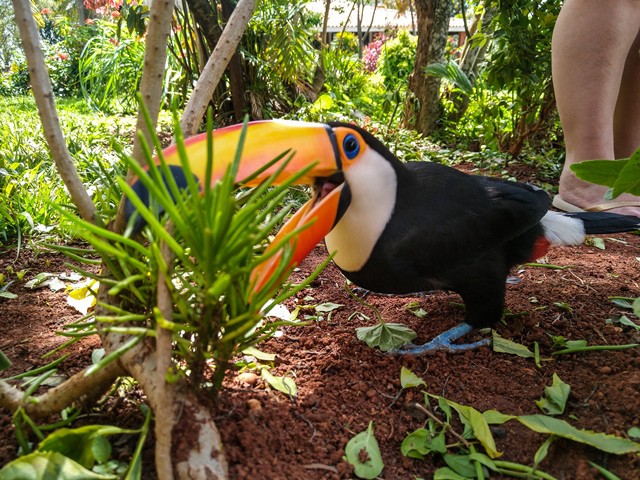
(217, 238)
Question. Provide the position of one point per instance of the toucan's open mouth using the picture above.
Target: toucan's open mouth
(323, 186)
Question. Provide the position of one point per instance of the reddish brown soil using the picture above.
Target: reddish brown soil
(343, 384)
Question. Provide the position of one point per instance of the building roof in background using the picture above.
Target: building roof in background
(380, 18)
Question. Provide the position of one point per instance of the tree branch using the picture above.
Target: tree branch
(58, 398)
(43, 93)
(215, 67)
(155, 59)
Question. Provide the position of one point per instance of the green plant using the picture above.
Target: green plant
(397, 59)
(472, 453)
(280, 58)
(363, 452)
(110, 70)
(83, 452)
(214, 240)
(28, 184)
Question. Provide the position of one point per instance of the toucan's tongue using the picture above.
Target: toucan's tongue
(328, 185)
(327, 188)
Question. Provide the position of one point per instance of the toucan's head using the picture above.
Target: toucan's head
(333, 149)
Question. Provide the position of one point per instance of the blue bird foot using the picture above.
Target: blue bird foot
(443, 342)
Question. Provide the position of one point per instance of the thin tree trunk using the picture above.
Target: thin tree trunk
(433, 25)
(236, 72)
(217, 63)
(43, 93)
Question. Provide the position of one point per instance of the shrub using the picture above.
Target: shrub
(397, 59)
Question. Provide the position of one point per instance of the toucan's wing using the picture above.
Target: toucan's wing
(447, 214)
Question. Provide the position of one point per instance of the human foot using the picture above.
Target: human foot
(587, 196)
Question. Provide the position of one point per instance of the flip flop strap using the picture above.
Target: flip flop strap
(603, 207)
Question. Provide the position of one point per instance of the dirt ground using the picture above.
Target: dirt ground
(343, 384)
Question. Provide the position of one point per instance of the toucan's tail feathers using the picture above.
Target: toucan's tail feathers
(605, 222)
(560, 229)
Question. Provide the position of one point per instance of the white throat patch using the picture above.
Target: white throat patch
(373, 185)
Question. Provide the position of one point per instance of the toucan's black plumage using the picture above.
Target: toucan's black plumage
(454, 231)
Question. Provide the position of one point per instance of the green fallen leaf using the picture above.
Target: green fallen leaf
(408, 379)
(421, 442)
(363, 452)
(560, 428)
(386, 336)
(624, 320)
(259, 354)
(479, 425)
(4, 361)
(445, 473)
(4, 293)
(596, 242)
(285, 385)
(622, 302)
(84, 445)
(543, 451)
(636, 307)
(327, 307)
(555, 397)
(461, 464)
(634, 432)
(46, 466)
(503, 345)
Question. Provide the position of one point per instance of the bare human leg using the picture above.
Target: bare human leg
(595, 70)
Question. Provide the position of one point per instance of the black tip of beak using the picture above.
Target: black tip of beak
(143, 194)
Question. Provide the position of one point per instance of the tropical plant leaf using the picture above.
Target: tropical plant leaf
(421, 442)
(503, 345)
(560, 428)
(84, 445)
(46, 466)
(479, 425)
(408, 379)
(363, 452)
(555, 397)
(628, 180)
(285, 384)
(600, 172)
(461, 464)
(445, 473)
(386, 336)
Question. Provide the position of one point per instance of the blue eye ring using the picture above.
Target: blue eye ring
(350, 146)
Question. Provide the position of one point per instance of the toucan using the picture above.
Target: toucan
(400, 228)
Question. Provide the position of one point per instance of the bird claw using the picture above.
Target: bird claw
(443, 342)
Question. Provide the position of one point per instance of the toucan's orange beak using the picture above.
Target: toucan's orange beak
(307, 143)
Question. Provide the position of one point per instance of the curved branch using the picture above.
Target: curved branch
(215, 67)
(155, 59)
(55, 400)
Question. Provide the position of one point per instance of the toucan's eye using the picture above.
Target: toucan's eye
(351, 146)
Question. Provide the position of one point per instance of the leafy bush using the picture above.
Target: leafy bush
(110, 70)
(28, 182)
(346, 41)
(397, 59)
(62, 42)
